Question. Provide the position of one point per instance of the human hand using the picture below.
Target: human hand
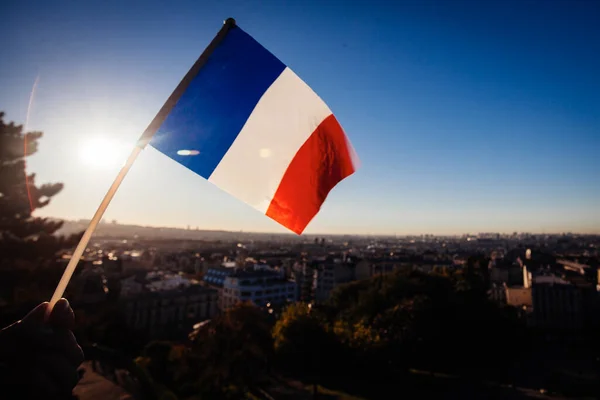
(40, 358)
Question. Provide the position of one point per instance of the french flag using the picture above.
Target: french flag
(251, 126)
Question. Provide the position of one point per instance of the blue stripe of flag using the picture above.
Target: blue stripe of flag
(212, 111)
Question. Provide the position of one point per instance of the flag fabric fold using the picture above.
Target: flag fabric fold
(252, 127)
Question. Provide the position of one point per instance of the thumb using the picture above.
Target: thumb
(37, 315)
(62, 315)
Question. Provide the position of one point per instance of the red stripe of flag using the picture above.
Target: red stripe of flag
(322, 161)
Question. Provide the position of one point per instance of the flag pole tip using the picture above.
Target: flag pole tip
(229, 21)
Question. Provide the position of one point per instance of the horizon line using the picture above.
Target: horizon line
(197, 229)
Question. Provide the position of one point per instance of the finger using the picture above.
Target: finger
(59, 370)
(62, 315)
(37, 315)
(27, 329)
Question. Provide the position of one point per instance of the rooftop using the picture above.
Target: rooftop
(255, 274)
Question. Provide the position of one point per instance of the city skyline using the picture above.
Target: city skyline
(466, 117)
(107, 224)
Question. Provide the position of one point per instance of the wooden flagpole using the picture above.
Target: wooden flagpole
(141, 144)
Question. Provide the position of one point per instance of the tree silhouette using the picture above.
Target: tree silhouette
(26, 242)
(231, 353)
(425, 321)
(303, 347)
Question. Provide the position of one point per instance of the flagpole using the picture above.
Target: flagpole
(144, 139)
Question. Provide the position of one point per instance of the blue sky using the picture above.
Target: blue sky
(468, 116)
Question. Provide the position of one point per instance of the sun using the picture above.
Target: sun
(101, 153)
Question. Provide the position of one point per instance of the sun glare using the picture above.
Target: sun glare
(101, 152)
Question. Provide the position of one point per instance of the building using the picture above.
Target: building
(90, 285)
(215, 276)
(170, 313)
(316, 279)
(159, 281)
(497, 293)
(371, 267)
(132, 285)
(505, 272)
(260, 287)
(519, 297)
(304, 275)
(557, 304)
(328, 276)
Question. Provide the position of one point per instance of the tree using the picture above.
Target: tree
(161, 363)
(304, 347)
(424, 321)
(231, 354)
(26, 242)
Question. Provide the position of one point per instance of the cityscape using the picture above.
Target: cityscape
(300, 200)
(204, 275)
(167, 284)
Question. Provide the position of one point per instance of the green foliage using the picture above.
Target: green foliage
(158, 361)
(232, 353)
(374, 329)
(23, 236)
(27, 243)
(303, 343)
(226, 358)
(411, 318)
(150, 387)
(296, 315)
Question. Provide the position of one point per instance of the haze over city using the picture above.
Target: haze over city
(479, 117)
